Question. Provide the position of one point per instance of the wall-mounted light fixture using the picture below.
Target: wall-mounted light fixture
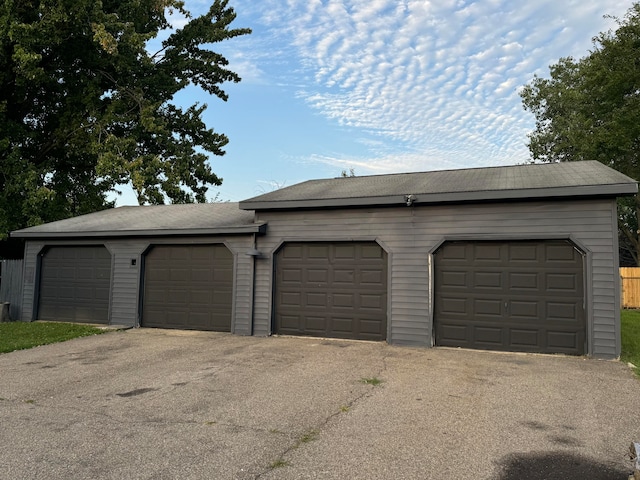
(254, 252)
(409, 199)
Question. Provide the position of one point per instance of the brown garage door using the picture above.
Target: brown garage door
(332, 290)
(517, 296)
(188, 287)
(74, 284)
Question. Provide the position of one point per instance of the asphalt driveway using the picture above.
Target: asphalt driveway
(157, 404)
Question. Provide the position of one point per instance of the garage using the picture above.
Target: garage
(481, 258)
(336, 290)
(74, 284)
(188, 287)
(525, 296)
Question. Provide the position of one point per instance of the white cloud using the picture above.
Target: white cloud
(439, 80)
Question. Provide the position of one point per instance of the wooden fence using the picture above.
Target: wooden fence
(11, 286)
(630, 287)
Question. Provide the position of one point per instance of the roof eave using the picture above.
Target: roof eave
(612, 190)
(259, 228)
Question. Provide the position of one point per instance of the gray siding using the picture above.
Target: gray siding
(31, 250)
(126, 278)
(243, 291)
(11, 286)
(125, 281)
(411, 234)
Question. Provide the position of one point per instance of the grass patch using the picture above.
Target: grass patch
(310, 436)
(371, 381)
(630, 333)
(22, 335)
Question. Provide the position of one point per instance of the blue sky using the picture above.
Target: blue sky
(383, 86)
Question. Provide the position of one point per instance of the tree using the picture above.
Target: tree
(590, 110)
(84, 107)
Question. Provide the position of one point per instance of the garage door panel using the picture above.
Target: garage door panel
(525, 339)
(561, 311)
(453, 334)
(523, 253)
(290, 322)
(316, 300)
(201, 275)
(316, 275)
(65, 293)
(344, 251)
(557, 282)
(188, 287)
(222, 298)
(375, 302)
(454, 279)
(563, 340)
(313, 324)
(344, 300)
(318, 252)
(490, 280)
(291, 299)
(345, 278)
(372, 278)
(524, 281)
(540, 292)
(341, 286)
(200, 297)
(487, 253)
(561, 253)
(291, 275)
(75, 282)
(102, 294)
(453, 305)
(488, 335)
(292, 252)
(455, 254)
(158, 275)
(491, 308)
(222, 275)
(179, 275)
(372, 252)
(342, 325)
(524, 310)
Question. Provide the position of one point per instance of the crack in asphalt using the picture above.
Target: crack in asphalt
(321, 425)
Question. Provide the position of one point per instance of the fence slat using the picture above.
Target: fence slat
(11, 286)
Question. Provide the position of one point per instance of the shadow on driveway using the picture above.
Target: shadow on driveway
(558, 466)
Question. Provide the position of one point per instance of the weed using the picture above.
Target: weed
(371, 381)
(310, 436)
(279, 464)
(344, 408)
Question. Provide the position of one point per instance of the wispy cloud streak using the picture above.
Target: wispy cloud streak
(428, 84)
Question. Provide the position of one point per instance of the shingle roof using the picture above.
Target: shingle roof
(567, 179)
(156, 220)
